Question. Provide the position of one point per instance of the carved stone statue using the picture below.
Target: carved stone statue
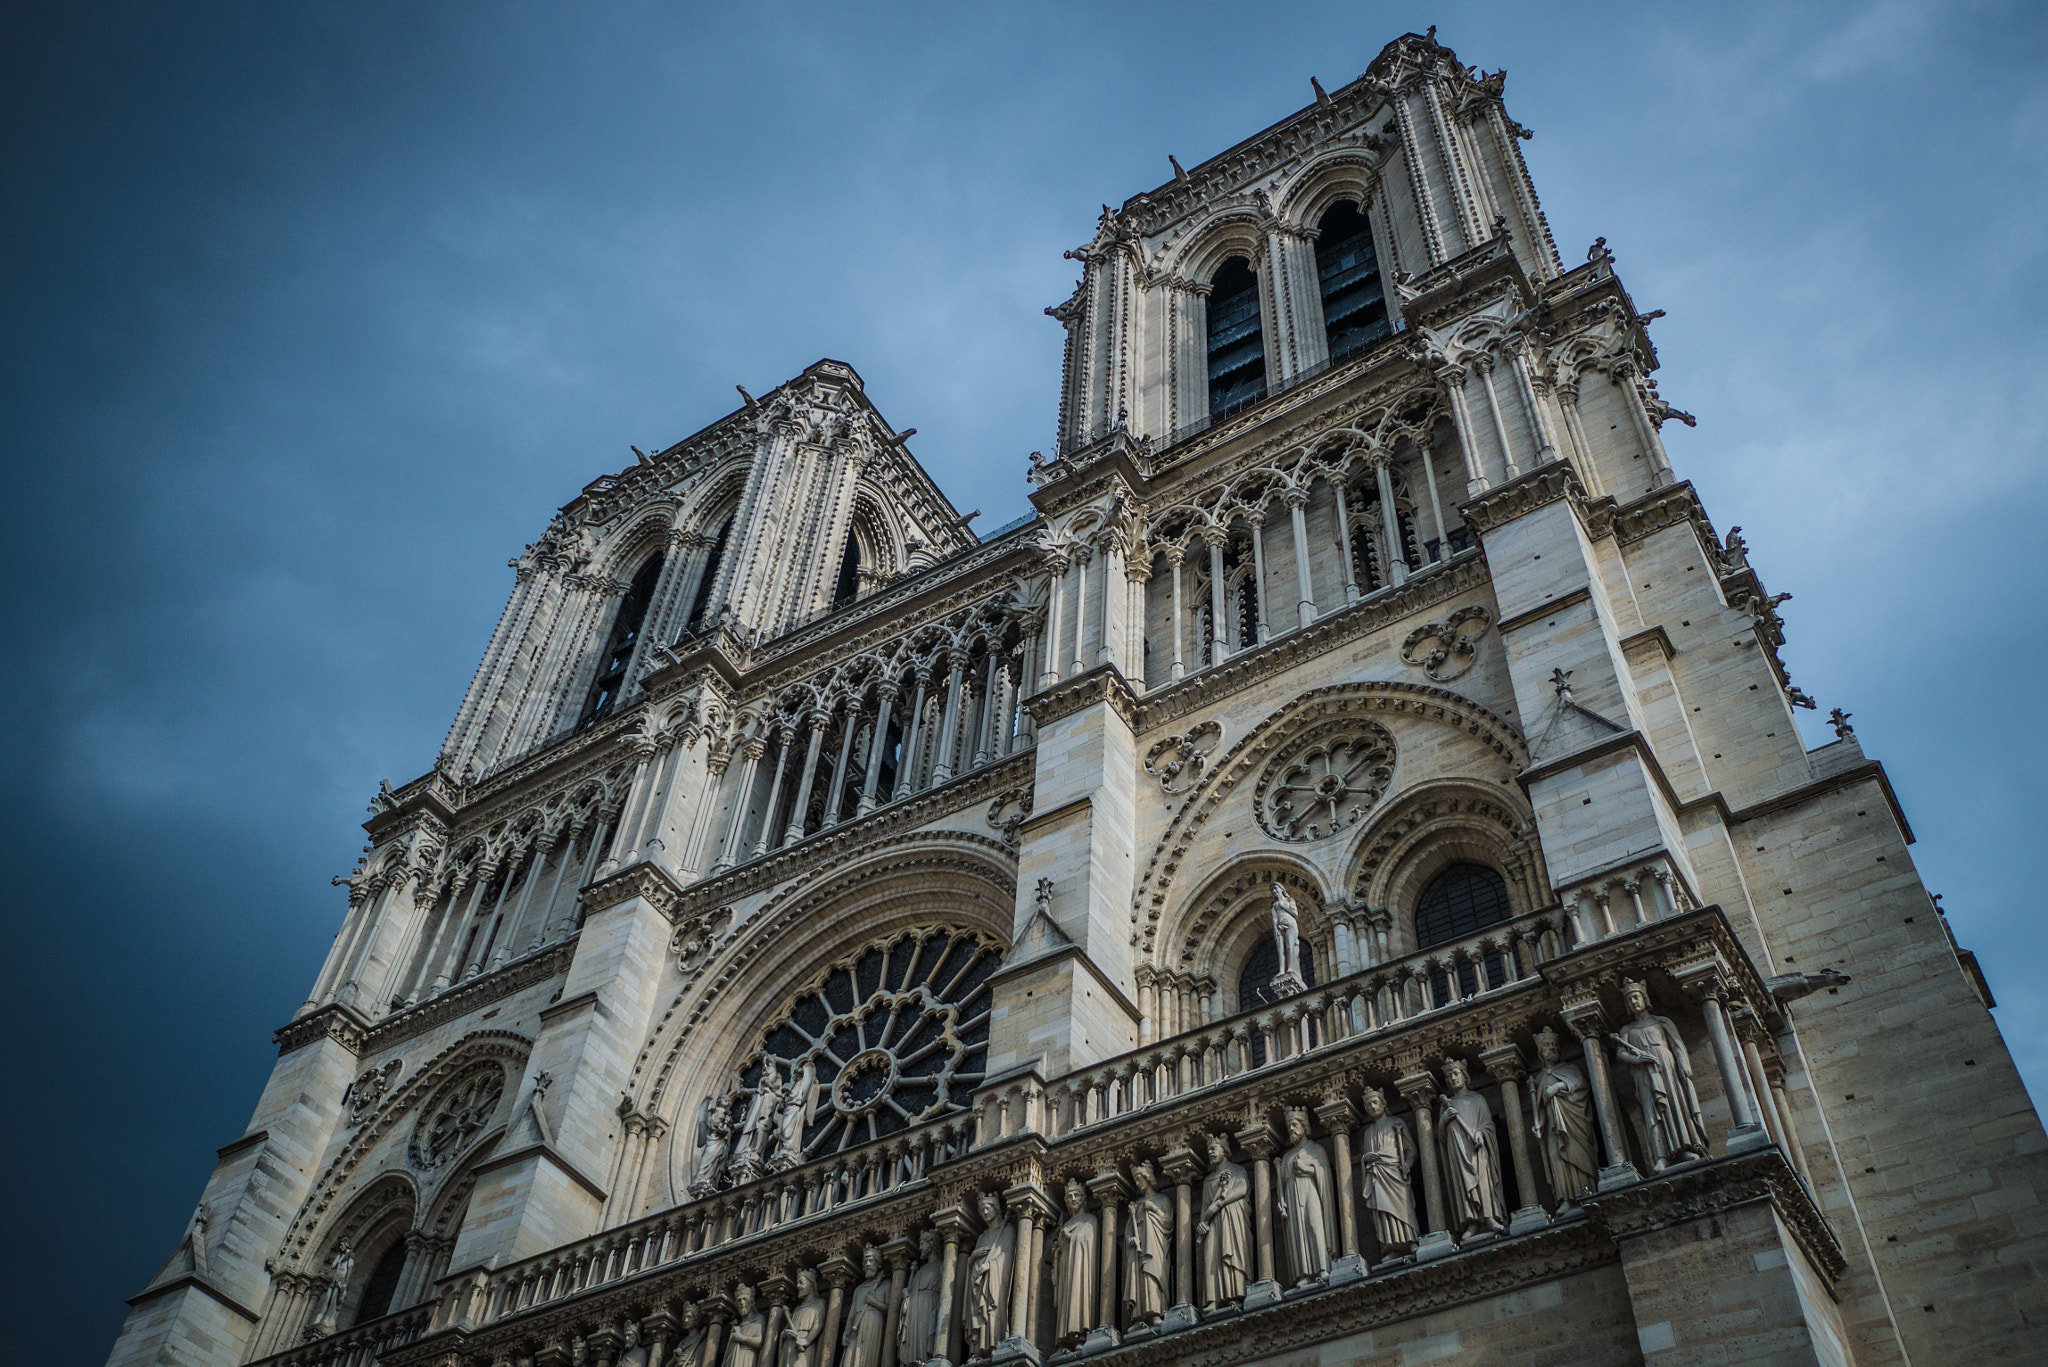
(1561, 1116)
(749, 1332)
(1148, 1249)
(989, 1268)
(689, 1348)
(1225, 1228)
(632, 1352)
(714, 1145)
(757, 1131)
(341, 1265)
(1386, 1155)
(1471, 1146)
(1074, 1274)
(867, 1314)
(918, 1327)
(799, 1108)
(1670, 1109)
(798, 1342)
(1287, 940)
(1308, 1202)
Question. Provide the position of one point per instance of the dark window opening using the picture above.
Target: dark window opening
(383, 1284)
(1237, 350)
(1365, 564)
(1256, 978)
(1354, 306)
(1460, 900)
(618, 650)
(695, 621)
(848, 587)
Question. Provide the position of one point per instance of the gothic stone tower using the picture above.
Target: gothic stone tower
(1342, 877)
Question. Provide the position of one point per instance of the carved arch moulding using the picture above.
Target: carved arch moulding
(1387, 703)
(502, 1048)
(1441, 823)
(1221, 919)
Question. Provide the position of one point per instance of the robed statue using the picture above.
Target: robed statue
(749, 1333)
(1561, 1117)
(714, 1133)
(918, 1326)
(1148, 1248)
(689, 1349)
(797, 1344)
(1471, 1157)
(1386, 1155)
(989, 1268)
(867, 1314)
(1074, 1275)
(799, 1108)
(1308, 1202)
(1225, 1228)
(1669, 1107)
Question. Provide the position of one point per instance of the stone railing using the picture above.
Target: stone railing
(361, 1346)
(1398, 1123)
(1370, 1002)
(802, 1195)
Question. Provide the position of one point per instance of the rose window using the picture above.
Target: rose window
(894, 1035)
(1326, 781)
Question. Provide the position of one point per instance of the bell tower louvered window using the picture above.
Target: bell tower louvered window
(1237, 349)
(1354, 307)
(618, 650)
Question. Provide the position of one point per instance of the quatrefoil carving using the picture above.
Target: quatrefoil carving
(1453, 642)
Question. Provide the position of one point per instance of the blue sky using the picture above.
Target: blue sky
(314, 313)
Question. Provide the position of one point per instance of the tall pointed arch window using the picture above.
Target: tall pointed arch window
(848, 587)
(382, 1286)
(618, 649)
(1237, 348)
(694, 623)
(1354, 304)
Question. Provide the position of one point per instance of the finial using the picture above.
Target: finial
(1178, 173)
(1322, 97)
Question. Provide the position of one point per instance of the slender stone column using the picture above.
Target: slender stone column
(885, 713)
(1344, 540)
(949, 725)
(955, 1228)
(1259, 578)
(838, 1270)
(1506, 1065)
(1539, 425)
(1390, 522)
(898, 1252)
(1056, 603)
(1436, 511)
(1745, 1132)
(774, 792)
(1419, 1089)
(1623, 374)
(1023, 1203)
(1339, 1119)
(1588, 1022)
(1453, 378)
(818, 720)
(1219, 618)
(1109, 1188)
(1258, 1141)
(1500, 423)
(1297, 500)
(1082, 555)
(751, 751)
(842, 772)
(985, 727)
(1183, 1168)
(1575, 431)
(1175, 555)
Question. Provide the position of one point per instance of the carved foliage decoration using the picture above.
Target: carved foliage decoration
(457, 1116)
(896, 1032)
(1326, 781)
(1444, 650)
(1178, 761)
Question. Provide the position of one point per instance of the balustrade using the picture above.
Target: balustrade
(360, 1346)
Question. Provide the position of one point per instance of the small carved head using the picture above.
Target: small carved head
(1297, 1124)
(1143, 1174)
(1456, 1075)
(1375, 1103)
(1077, 1196)
(1219, 1148)
(692, 1316)
(1636, 995)
(806, 1282)
(1546, 1045)
(631, 1330)
(991, 1209)
(928, 1242)
(871, 1260)
(743, 1299)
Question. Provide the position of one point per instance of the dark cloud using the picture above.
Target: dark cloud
(312, 314)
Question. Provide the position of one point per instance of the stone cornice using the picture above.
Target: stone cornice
(549, 962)
(1102, 684)
(1460, 574)
(1543, 609)
(334, 1021)
(1700, 1190)
(1539, 488)
(645, 880)
(197, 1283)
(975, 786)
(1696, 935)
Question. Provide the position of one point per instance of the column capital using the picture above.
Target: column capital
(1417, 1088)
(1504, 1063)
(1109, 1186)
(1181, 1164)
(1258, 1139)
(1337, 1113)
(899, 1251)
(839, 1270)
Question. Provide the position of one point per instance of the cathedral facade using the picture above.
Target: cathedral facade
(1340, 881)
